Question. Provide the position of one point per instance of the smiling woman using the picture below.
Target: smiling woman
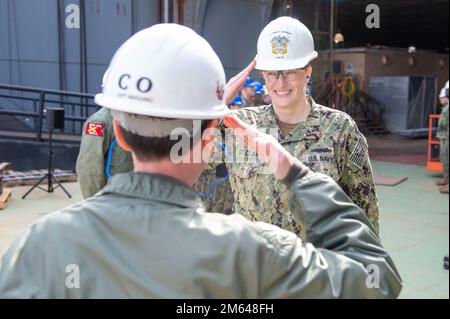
(326, 140)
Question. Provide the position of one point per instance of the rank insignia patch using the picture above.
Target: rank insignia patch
(94, 129)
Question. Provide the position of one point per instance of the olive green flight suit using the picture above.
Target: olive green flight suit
(148, 236)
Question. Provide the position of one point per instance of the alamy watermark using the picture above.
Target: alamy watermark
(220, 145)
(73, 16)
(73, 277)
(373, 19)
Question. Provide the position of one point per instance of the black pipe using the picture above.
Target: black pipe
(40, 116)
(62, 70)
(83, 29)
(133, 17)
(82, 55)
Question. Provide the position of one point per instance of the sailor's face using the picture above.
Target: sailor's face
(287, 88)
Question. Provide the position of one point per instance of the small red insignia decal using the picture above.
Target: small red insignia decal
(95, 129)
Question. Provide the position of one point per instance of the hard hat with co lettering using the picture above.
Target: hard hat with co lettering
(166, 71)
(285, 44)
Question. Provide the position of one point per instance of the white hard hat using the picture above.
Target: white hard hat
(443, 92)
(166, 71)
(285, 44)
(446, 85)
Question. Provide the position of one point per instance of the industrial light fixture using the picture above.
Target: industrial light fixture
(338, 38)
(384, 60)
(412, 61)
(412, 49)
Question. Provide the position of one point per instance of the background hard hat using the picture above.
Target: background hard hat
(259, 89)
(236, 101)
(285, 44)
(168, 71)
(249, 82)
(265, 90)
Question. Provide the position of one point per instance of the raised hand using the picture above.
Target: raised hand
(235, 84)
(265, 146)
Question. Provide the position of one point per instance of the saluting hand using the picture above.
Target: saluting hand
(265, 146)
(235, 84)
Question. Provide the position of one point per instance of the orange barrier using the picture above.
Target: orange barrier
(433, 163)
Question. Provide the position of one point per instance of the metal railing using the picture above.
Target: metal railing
(78, 106)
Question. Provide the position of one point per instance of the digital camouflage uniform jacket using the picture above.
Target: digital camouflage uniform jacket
(328, 142)
(97, 136)
(442, 132)
(216, 199)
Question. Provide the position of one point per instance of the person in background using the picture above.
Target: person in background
(247, 93)
(100, 157)
(443, 98)
(259, 93)
(443, 134)
(262, 96)
(236, 103)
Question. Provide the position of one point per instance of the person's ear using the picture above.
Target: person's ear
(119, 137)
(309, 71)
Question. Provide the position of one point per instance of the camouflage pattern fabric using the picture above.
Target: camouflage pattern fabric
(443, 135)
(444, 156)
(328, 142)
(222, 199)
(443, 123)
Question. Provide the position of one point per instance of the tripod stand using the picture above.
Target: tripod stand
(49, 176)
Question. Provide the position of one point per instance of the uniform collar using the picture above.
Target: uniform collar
(307, 130)
(154, 187)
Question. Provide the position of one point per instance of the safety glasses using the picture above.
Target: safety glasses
(288, 75)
